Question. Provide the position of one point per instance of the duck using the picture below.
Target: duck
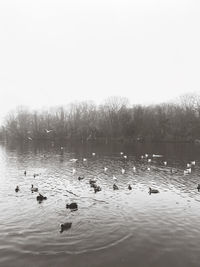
(129, 187)
(198, 187)
(41, 197)
(65, 226)
(153, 191)
(80, 178)
(34, 189)
(97, 188)
(115, 187)
(72, 206)
(25, 173)
(17, 188)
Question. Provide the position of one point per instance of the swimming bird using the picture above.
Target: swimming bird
(25, 173)
(146, 155)
(157, 156)
(73, 171)
(123, 171)
(165, 163)
(97, 188)
(80, 178)
(48, 131)
(34, 189)
(61, 147)
(148, 169)
(121, 153)
(41, 198)
(105, 169)
(93, 154)
(134, 168)
(65, 226)
(125, 157)
(198, 187)
(187, 171)
(142, 157)
(189, 165)
(29, 138)
(193, 162)
(114, 178)
(72, 206)
(17, 188)
(84, 159)
(115, 187)
(129, 187)
(153, 191)
(149, 160)
(73, 160)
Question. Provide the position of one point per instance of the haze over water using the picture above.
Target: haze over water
(110, 228)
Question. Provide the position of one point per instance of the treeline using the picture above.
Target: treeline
(115, 119)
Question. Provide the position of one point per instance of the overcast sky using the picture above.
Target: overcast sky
(53, 52)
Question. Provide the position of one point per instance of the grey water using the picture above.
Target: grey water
(110, 228)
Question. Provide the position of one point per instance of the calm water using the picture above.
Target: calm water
(110, 228)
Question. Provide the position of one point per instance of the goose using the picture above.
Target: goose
(34, 189)
(115, 187)
(72, 206)
(41, 198)
(123, 171)
(129, 187)
(17, 188)
(198, 187)
(65, 226)
(153, 191)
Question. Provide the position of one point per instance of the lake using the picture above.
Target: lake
(110, 228)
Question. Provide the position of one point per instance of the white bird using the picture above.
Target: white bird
(142, 157)
(193, 162)
(73, 160)
(125, 156)
(134, 168)
(121, 153)
(93, 154)
(146, 155)
(61, 147)
(114, 178)
(105, 169)
(73, 171)
(29, 138)
(188, 165)
(84, 159)
(148, 169)
(157, 156)
(149, 160)
(165, 163)
(187, 171)
(48, 131)
(123, 171)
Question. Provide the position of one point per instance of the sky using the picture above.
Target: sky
(53, 52)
